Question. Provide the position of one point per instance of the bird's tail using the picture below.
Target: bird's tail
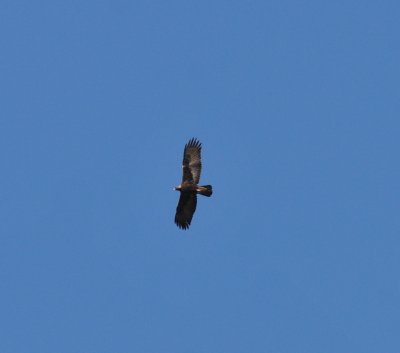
(205, 190)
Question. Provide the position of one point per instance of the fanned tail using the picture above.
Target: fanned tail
(205, 190)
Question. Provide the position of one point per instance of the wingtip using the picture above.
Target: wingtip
(183, 226)
(193, 142)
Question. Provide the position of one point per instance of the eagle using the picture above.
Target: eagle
(189, 188)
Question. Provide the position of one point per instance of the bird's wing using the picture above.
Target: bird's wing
(191, 165)
(185, 210)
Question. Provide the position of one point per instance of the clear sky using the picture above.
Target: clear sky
(297, 106)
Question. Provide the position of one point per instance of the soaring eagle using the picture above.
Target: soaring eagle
(191, 169)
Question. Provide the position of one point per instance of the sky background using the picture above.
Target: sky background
(297, 106)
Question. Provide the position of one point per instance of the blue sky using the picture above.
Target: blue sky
(297, 106)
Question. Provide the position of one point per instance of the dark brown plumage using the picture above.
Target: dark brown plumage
(189, 188)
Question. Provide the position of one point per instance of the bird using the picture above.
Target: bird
(189, 188)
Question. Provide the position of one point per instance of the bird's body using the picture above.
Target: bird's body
(186, 186)
(189, 188)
